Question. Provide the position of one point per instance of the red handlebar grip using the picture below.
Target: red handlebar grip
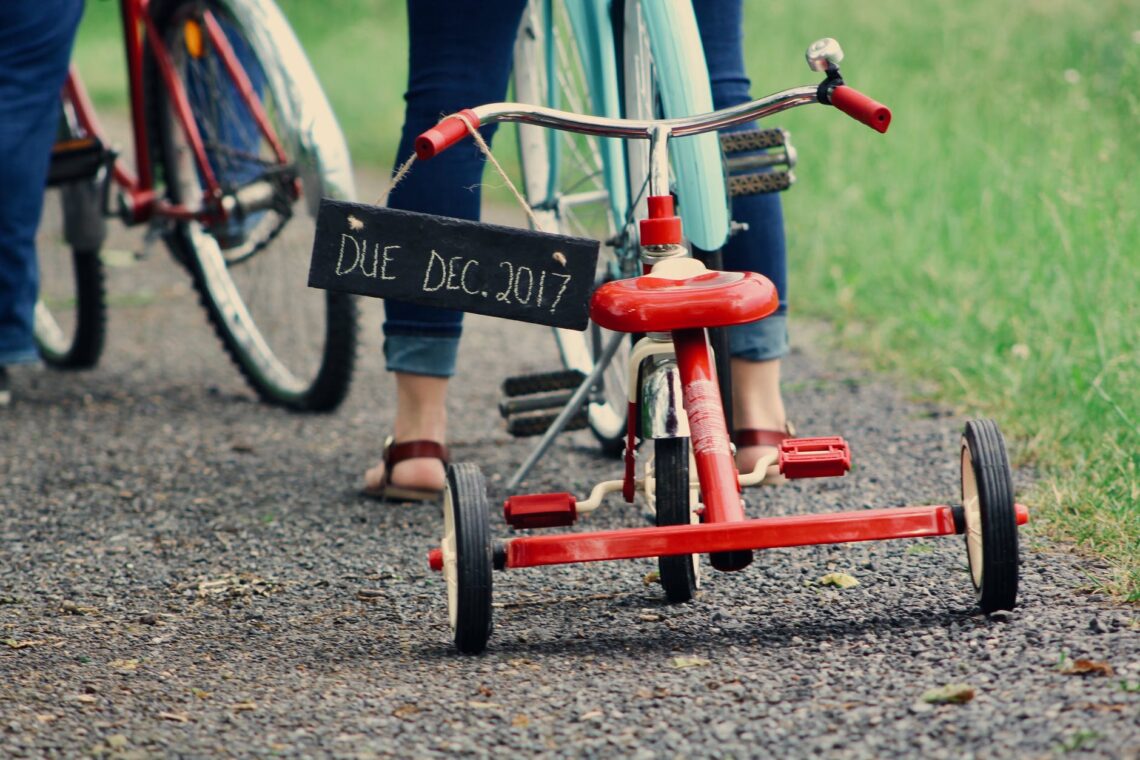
(445, 134)
(861, 108)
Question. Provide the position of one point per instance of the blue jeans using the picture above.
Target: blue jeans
(35, 46)
(460, 56)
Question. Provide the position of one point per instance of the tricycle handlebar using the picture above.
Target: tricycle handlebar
(452, 129)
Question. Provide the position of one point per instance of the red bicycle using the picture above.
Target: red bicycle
(234, 144)
(675, 402)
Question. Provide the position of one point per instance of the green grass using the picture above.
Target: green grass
(989, 245)
(987, 249)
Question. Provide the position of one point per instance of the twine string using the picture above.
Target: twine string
(486, 150)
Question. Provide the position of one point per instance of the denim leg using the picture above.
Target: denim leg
(761, 248)
(459, 56)
(35, 47)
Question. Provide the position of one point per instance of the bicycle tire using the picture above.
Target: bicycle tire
(641, 100)
(71, 312)
(568, 181)
(295, 347)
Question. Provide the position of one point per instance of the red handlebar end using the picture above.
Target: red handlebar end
(861, 108)
(445, 134)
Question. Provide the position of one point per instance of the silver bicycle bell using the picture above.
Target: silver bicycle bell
(824, 55)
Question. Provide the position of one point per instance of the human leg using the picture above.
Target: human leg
(756, 349)
(35, 47)
(459, 56)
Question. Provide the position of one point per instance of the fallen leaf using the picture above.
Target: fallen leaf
(23, 643)
(1088, 668)
(200, 693)
(483, 705)
(245, 706)
(651, 578)
(520, 721)
(179, 717)
(71, 608)
(954, 693)
(689, 662)
(840, 580)
(125, 664)
(406, 711)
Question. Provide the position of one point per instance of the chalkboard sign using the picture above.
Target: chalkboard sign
(456, 264)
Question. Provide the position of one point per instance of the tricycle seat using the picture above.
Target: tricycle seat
(709, 298)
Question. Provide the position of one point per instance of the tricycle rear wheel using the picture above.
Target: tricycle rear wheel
(467, 562)
(990, 516)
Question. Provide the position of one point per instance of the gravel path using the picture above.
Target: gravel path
(181, 574)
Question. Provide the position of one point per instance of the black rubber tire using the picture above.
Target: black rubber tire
(82, 348)
(466, 514)
(323, 381)
(678, 573)
(991, 518)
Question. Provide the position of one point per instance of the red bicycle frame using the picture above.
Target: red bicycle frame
(141, 201)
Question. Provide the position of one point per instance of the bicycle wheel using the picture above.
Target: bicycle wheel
(575, 183)
(295, 346)
(642, 99)
(680, 574)
(71, 313)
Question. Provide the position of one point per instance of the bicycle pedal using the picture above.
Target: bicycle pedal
(526, 425)
(823, 457)
(77, 159)
(753, 139)
(535, 402)
(760, 183)
(542, 382)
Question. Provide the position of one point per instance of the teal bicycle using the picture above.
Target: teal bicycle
(633, 60)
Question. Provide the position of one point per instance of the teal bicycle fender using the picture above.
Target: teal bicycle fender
(593, 29)
(683, 81)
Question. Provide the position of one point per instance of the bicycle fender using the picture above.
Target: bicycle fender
(320, 146)
(683, 81)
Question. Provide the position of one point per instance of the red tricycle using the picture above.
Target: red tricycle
(675, 402)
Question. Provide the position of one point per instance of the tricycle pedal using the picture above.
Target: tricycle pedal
(542, 510)
(822, 457)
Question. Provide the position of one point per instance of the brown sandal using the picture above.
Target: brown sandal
(394, 453)
(745, 437)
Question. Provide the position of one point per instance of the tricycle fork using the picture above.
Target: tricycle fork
(712, 450)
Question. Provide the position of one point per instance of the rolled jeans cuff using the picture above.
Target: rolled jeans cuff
(17, 347)
(421, 354)
(759, 341)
